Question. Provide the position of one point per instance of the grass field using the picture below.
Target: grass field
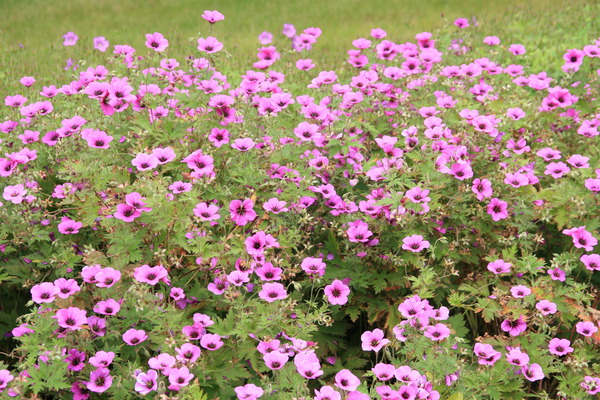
(31, 31)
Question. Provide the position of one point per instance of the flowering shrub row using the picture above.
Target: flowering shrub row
(419, 223)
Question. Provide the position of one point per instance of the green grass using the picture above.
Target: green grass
(31, 31)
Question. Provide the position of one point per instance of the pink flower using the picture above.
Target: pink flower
(586, 328)
(312, 265)
(68, 226)
(248, 392)
(207, 212)
(591, 261)
(415, 243)
(244, 144)
(213, 16)
(499, 267)
(520, 291)
(70, 39)
(560, 347)
(134, 336)
(100, 380)
(337, 292)
(546, 307)
(242, 212)
(101, 44)
(179, 377)
(437, 332)
(71, 318)
(272, 291)
(514, 327)
(462, 23)
(151, 275)
(156, 41)
(373, 340)
(211, 342)
(210, 45)
(102, 359)
(346, 380)
(45, 292)
(146, 382)
(107, 307)
(497, 209)
(533, 372)
(15, 194)
(145, 162)
(275, 359)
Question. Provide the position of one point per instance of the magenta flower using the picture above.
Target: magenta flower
(188, 353)
(437, 332)
(97, 139)
(101, 44)
(209, 45)
(248, 392)
(180, 187)
(145, 162)
(126, 213)
(102, 359)
(359, 232)
(134, 336)
(213, 16)
(71, 318)
(557, 169)
(591, 261)
(45, 292)
(151, 275)
(373, 340)
(514, 327)
(586, 328)
(517, 357)
(499, 267)
(162, 362)
(100, 380)
(272, 291)
(243, 144)
(337, 292)
(15, 194)
(307, 364)
(156, 41)
(312, 265)
(461, 23)
(557, 274)
(5, 379)
(180, 376)
(268, 272)
(497, 209)
(546, 307)
(107, 307)
(415, 243)
(560, 347)
(211, 342)
(242, 212)
(68, 226)
(146, 382)
(520, 291)
(275, 205)
(107, 277)
(219, 137)
(533, 372)
(207, 212)
(275, 359)
(70, 39)
(327, 393)
(383, 371)
(486, 354)
(75, 360)
(482, 188)
(346, 380)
